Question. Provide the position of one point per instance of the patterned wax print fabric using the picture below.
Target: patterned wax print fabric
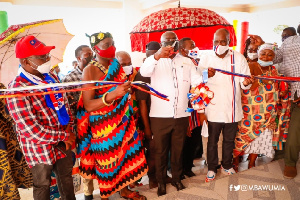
(14, 171)
(108, 143)
(262, 144)
(263, 108)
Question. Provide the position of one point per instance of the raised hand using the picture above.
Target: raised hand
(163, 52)
(256, 40)
(211, 72)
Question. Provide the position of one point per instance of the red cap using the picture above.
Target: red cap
(30, 46)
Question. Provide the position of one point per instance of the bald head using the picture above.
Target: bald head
(168, 36)
(221, 37)
(124, 58)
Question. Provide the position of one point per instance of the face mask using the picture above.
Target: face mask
(128, 69)
(107, 53)
(173, 44)
(87, 60)
(264, 63)
(44, 68)
(284, 38)
(219, 49)
(252, 56)
(194, 53)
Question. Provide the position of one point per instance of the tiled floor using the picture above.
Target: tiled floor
(262, 182)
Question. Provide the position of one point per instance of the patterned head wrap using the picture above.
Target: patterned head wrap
(98, 37)
(268, 46)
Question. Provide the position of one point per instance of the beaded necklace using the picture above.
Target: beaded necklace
(100, 66)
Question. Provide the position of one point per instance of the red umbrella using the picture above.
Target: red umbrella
(196, 23)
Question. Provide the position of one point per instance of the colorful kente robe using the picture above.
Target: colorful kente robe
(108, 143)
(263, 108)
(14, 171)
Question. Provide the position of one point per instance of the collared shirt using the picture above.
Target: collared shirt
(289, 55)
(73, 97)
(37, 126)
(172, 77)
(223, 107)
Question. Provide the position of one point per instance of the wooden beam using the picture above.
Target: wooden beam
(277, 5)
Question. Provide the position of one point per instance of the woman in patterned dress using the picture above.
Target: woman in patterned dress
(266, 111)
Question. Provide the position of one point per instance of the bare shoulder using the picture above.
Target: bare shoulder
(91, 72)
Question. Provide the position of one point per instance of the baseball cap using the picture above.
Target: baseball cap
(30, 46)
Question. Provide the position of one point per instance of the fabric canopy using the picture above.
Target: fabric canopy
(196, 23)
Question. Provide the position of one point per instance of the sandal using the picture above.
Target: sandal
(135, 184)
(134, 196)
(236, 168)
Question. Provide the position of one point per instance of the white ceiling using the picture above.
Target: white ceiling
(220, 5)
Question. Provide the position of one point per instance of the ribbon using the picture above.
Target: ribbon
(62, 86)
(274, 78)
(205, 75)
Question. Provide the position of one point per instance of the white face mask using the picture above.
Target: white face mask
(128, 69)
(194, 53)
(252, 56)
(219, 49)
(265, 63)
(44, 68)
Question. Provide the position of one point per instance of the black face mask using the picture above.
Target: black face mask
(87, 60)
(170, 43)
(284, 38)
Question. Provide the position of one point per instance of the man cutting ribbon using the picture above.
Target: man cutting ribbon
(225, 110)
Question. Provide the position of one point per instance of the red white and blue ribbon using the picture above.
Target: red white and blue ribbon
(273, 78)
(63, 87)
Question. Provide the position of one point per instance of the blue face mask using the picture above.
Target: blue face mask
(264, 63)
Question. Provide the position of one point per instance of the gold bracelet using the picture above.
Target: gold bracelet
(103, 100)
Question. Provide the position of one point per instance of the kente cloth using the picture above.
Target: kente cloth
(108, 143)
(14, 171)
(263, 108)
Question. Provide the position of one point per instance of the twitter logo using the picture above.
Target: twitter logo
(234, 187)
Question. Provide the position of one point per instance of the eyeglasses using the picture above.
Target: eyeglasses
(42, 57)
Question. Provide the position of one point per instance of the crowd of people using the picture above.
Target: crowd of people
(116, 134)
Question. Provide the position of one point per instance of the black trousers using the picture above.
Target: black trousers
(191, 145)
(229, 131)
(150, 158)
(41, 174)
(169, 135)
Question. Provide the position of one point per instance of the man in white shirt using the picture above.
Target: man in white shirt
(225, 109)
(171, 74)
